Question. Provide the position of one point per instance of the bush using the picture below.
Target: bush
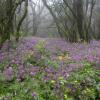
(84, 84)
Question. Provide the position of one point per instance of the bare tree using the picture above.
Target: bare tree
(21, 20)
(72, 20)
(37, 10)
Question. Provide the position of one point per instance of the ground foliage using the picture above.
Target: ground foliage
(50, 69)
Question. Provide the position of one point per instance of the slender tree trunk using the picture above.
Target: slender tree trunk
(21, 21)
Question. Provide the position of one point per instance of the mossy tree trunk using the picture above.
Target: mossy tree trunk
(21, 21)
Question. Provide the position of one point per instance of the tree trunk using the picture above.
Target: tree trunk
(21, 21)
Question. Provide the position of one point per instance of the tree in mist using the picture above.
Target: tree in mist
(37, 10)
(72, 18)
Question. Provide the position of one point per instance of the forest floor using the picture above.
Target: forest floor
(65, 56)
(55, 57)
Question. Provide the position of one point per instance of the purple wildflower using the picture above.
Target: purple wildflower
(34, 94)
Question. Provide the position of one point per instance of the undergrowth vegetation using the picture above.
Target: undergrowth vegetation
(46, 75)
(82, 85)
